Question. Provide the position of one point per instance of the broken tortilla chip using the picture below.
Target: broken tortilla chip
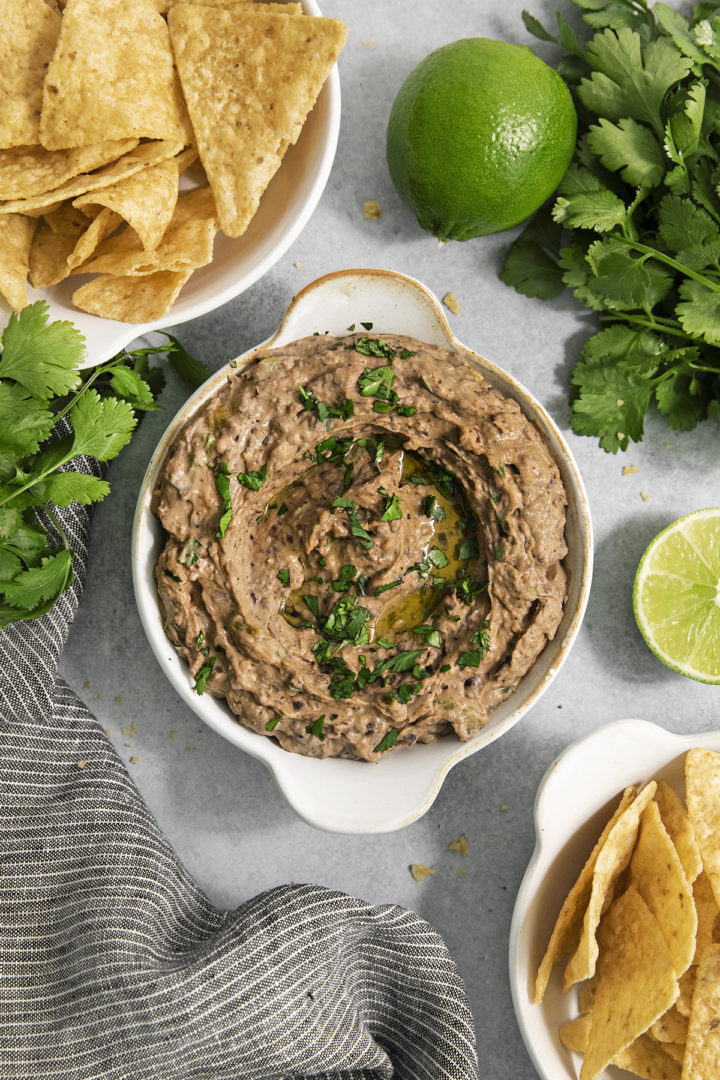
(131, 299)
(14, 255)
(636, 981)
(647, 1059)
(611, 861)
(30, 31)
(106, 222)
(111, 77)
(250, 78)
(566, 932)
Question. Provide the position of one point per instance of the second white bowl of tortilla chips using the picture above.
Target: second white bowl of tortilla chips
(575, 799)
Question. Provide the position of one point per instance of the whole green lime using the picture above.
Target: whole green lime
(479, 136)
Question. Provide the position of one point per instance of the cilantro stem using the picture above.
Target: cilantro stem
(57, 526)
(667, 326)
(85, 387)
(669, 261)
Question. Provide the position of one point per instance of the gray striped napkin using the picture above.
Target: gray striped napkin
(114, 965)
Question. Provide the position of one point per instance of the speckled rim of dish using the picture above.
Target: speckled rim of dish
(350, 796)
(284, 211)
(575, 798)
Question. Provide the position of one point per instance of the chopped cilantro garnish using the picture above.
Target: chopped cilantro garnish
(316, 728)
(501, 469)
(481, 637)
(341, 503)
(367, 325)
(469, 548)
(376, 382)
(470, 658)
(313, 603)
(272, 724)
(390, 585)
(282, 509)
(255, 479)
(372, 347)
(388, 741)
(430, 634)
(499, 551)
(384, 643)
(190, 552)
(222, 483)
(392, 510)
(203, 675)
(466, 589)
(437, 557)
(284, 577)
(358, 530)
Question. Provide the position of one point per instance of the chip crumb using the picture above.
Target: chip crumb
(189, 749)
(108, 732)
(630, 470)
(173, 734)
(118, 698)
(82, 764)
(644, 495)
(503, 807)
(450, 302)
(86, 686)
(442, 243)
(462, 873)
(127, 731)
(367, 43)
(135, 760)
(101, 697)
(371, 210)
(460, 845)
(420, 872)
(298, 265)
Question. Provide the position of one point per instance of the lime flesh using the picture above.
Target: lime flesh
(676, 598)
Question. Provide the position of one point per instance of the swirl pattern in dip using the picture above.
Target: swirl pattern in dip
(365, 545)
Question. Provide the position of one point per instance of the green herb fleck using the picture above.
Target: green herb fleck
(388, 741)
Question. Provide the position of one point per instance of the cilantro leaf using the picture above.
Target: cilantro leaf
(388, 741)
(629, 148)
(254, 479)
(531, 265)
(699, 311)
(392, 510)
(192, 371)
(599, 210)
(41, 357)
(611, 403)
(40, 583)
(102, 426)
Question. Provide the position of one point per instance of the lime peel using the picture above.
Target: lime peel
(676, 596)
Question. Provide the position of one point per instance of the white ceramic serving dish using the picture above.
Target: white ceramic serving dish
(353, 796)
(574, 801)
(284, 210)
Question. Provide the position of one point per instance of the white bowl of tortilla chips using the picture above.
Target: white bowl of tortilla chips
(152, 159)
(613, 963)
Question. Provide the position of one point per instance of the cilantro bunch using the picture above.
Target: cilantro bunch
(634, 230)
(43, 394)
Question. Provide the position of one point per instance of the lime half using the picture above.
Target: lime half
(676, 598)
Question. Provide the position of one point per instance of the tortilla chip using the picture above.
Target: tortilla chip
(186, 245)
(30, 31)
(574, 1035)
(250, 78)
(66, 220)
(49, 255)
(611, 861)
(645, 1058)
(707, 912)
(566, 932)
(14, 255)
(687, 989)
(140, 158)
(112, 77)
(702, 790)
(658, 875)
(146, 200)
(671, 1027)
(636, 980)
(32, 170)
(106, 222)
(131, 299)
(702, 1049)
(676, 821)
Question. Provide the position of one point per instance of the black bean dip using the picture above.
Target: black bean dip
(364, 545)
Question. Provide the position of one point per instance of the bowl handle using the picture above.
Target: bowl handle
(388, 301)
